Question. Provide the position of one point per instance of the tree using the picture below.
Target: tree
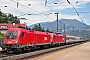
(38, 27)
(8, 18)
(47, 30)
(0, 13)
(1, 34)
(43, 30)
(35, 27)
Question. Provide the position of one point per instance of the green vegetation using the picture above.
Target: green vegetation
(1, 35)
(8, 18)
(39, 28)
(47, 30)
(4, 18)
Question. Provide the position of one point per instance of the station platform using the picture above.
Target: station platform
(78, 52)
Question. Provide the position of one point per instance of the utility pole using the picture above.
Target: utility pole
(57, 22)
(64, 29)
(17, 3)
(45, 2)
(73, 30)
(78, 31)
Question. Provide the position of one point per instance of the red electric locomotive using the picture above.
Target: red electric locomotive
(57, 39)
(18, 39)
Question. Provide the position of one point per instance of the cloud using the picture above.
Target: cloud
(48, 18)
(63, 4)
(39, 11)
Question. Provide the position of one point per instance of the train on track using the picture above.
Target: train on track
(19, 39)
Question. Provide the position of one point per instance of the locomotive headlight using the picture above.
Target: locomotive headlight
(16, 41)
(4, 41)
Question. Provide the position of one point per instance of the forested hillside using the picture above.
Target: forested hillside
(8, 18)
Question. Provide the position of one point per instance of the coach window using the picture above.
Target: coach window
(67, 38)
(22, 34)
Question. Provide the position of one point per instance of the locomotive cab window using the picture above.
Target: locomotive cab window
(22, 34)
(11, 34)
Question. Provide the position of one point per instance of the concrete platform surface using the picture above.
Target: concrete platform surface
(79, 52)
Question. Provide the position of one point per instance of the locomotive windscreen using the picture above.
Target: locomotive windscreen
(11, 34)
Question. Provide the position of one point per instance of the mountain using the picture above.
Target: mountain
(69, 25)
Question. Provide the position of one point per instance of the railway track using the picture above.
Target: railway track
(24, 56)
(5, 54)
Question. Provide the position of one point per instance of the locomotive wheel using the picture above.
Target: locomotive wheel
(10, 51)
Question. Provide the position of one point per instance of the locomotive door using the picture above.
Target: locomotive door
(22, 37)
(51, 37)
(35, 39)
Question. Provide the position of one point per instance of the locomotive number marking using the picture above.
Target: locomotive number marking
(62, 38)
(9, 42)
(45, 38)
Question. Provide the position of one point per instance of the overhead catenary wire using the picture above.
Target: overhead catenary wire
(10, 5)
(31, 0)
(36, 11)
(23, 5)
(24, 8)
(17, 3)
(30, 8)
(75, 10)
(51, 9)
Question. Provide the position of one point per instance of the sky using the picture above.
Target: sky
(44, 10)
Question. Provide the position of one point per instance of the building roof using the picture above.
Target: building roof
(6, 26)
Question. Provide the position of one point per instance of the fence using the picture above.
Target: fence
(1, 41)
